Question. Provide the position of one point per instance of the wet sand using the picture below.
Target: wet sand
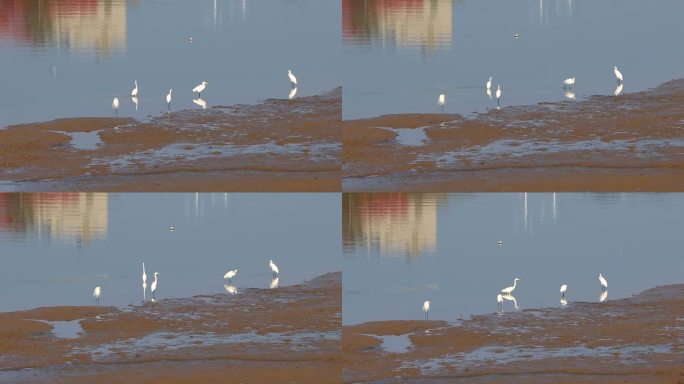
(278, 145)
(632, 142)
(289, 334)
(634, 340)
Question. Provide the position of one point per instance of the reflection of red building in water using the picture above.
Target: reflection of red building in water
(391, 222)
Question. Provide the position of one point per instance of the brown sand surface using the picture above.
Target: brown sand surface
(278, 145)
(632, 142)
(285, 335)
(634, 340)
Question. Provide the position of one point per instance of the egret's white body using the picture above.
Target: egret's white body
(168, 100)
(618, 89)
(426, 308)
(603, 281)
(441, 100)
(134, 92)
(293, 79)
(618, 74)
(153, 287)
(499, 300)
(96, 295)
(489, 83)
(509, 290)
(569, 82)
(274, 268)
(292, 94)
(115, 106)
(563, 288)
(171, 228)
(274, 282)
(198, 89)
(230, 274)
(498, 95)
(500, 242)
(200, 102)
(144, 275)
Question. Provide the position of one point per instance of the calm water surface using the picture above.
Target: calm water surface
(400, 55)
(401, 249)
(56, 247)
(62, 58)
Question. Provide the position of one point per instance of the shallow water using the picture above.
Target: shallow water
(454, 46)
(401, 249)
(56, 247)
(64, 59)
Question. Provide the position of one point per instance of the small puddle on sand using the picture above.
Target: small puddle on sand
(394, 344)
(85, 141)
(66, 329)
(410, 137)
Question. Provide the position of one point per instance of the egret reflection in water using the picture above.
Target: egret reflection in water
(618, 89)
(230, 288)
(512, 298)
(604, 296)
(274, 283)
(200, 102)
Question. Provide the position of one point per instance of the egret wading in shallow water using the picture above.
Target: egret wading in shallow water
(509, 290)
(153, 288)
(293, 79)
(198, 89)
(618, 74)
(115, 106)
(568, 83)
(230, 274)
(604, 282)
(499, 300)
(426, 308)
(274, 268)
(498, 96)
(96, 295)
(441, 100)
(134, 92)
(168, 100)
(563, 288)
(489, 88)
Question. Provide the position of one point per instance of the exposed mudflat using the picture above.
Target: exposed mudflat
(278, 145)
(634, 340)
(288, 334)
(631, 142)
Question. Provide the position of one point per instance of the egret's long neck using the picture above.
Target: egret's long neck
(515, 282)
(144, 269)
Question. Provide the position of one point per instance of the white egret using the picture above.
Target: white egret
(275, 282)
(498, 95)
(292, 94)
(426, 308)
(293, 79)
(618, 74)
(568, 83)
(440, 101)
(517, 35)
(168, 100)
(500, 243)
(134, 99)
(96, 295)
(230, 274)
(153, 287)
(171, 228)
(144, 275)
(198, 89)
(604, 296)
(509, 290)
(499, 300)
(115, 106)
(618, 89)
(230, 289)
(603, 281)
(134, 92)
(274, 268)
(200, 102)
(489, 83)
(569, 94)
(563, 288)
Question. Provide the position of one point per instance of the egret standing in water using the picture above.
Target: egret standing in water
(96, 295)
(115, 106)
(153, 287)
(230, 274)
(568, 83)
(426, 308)
(618, 74)
(274, 268)
(168, 100)
(498, 95)
(134, 92)
(441, 100)
(198, 89)
(563, 288)
(499, 300)
(489, 87)
(293, 79)
(604, 282)
(509, 290)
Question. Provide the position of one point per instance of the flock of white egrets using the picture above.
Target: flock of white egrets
(198, 90)
(153, 288)
(567, 86)
(507, 294)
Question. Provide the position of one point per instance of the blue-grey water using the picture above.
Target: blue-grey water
(61, 58)
(55, 248)
(400, 55)
(402, 249)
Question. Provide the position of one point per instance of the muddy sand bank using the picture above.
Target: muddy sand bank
(634, 340)
(631, 142)
(278, 145)
(288, 334)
